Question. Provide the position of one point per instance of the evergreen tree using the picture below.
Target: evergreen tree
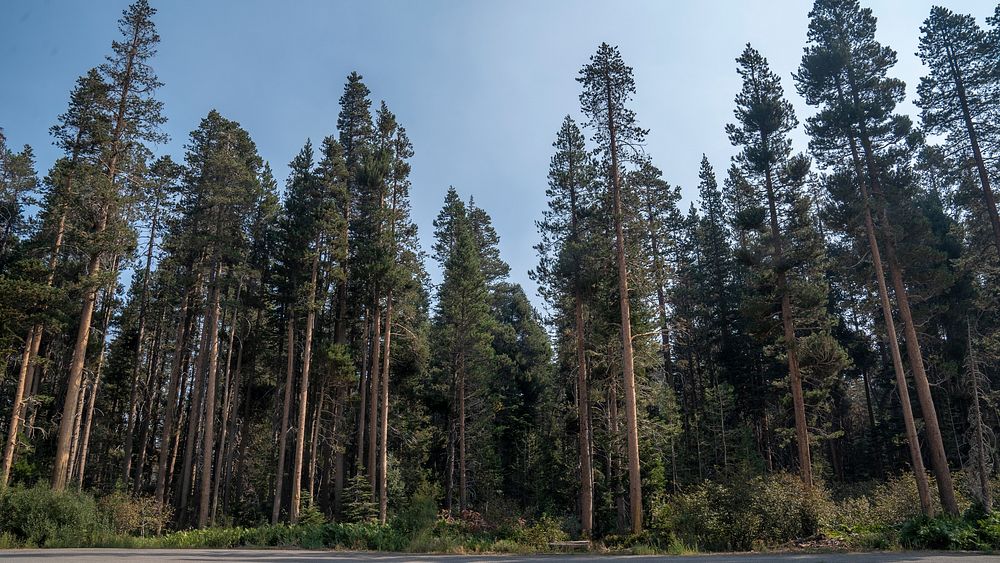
(958, 95)
(134, 120)
(564, 275)
(764, 119)
(845, 70)
(608, 87)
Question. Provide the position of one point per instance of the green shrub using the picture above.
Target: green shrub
(940, 532)
(134, 515)
(542, 531)
(40, 516)
(744, 512)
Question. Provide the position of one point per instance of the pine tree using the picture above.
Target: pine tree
(608, 87)
(462, 321)
(957, 97)
(564, 271)
(844, 69)
(135, 117)
(764, 119)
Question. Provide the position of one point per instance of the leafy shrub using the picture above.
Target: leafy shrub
(538, 535)
(363, 535)
(871, 518)
(745, 512)
(40, 516)
(134, 515)
(940, 532)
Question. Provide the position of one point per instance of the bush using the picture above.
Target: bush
(973, 530)
(745, 512)
(40, 516)
(134, 515)
(871, 518)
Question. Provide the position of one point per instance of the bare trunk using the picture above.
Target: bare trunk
(133, 394)
(85, 438)
(16, 411)
(193, 423)
(373, 398)
(227, 400)
(383, 459)
(208, 442)
(279, 475)
(180, 341)
(61, 464)
(463, 496)
(628, 368)
(300, 433)
(363, 393)
(583, 412)
(939, 462)
(916, 460)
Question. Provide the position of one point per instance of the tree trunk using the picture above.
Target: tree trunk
(788, 326)
(383, 455)
(279, 475)
(583, 412)
(628, 368)
(208, 442)
(133, 394)
(463, 496)
(939, 462)
(916, 460)
(194, 423)
(16, 411)
(107, 300)
(60, 467)
(363, 392)
(977, 154)
(373, 398)
(180, 344)
(300, 433)
(227, 405)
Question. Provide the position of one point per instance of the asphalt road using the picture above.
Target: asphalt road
(293, 556)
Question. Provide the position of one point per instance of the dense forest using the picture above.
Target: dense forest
(184, 330)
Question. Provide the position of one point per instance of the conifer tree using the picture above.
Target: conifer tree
(958, 95)
(844, 70)
(764, 119)
(608, 87)
(564, 270)
(462, 320)
(134, 119)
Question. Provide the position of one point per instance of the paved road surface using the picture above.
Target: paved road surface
(292, 556)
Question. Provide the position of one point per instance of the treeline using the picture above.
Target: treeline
(279, 355)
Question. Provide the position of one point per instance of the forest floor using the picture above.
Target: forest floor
(303, 556)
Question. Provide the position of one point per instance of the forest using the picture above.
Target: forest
(809, 351)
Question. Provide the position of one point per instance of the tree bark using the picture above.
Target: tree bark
(373, 398)
(60, 466)
(208, 442)
(628, 367)
(383, 456)
(279, 475)
(902, 388)
(180, 344)
(133, 393)
(300, 433)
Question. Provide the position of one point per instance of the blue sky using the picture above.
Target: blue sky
(481, 87)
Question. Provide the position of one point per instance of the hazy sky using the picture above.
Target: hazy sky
(481, 87)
